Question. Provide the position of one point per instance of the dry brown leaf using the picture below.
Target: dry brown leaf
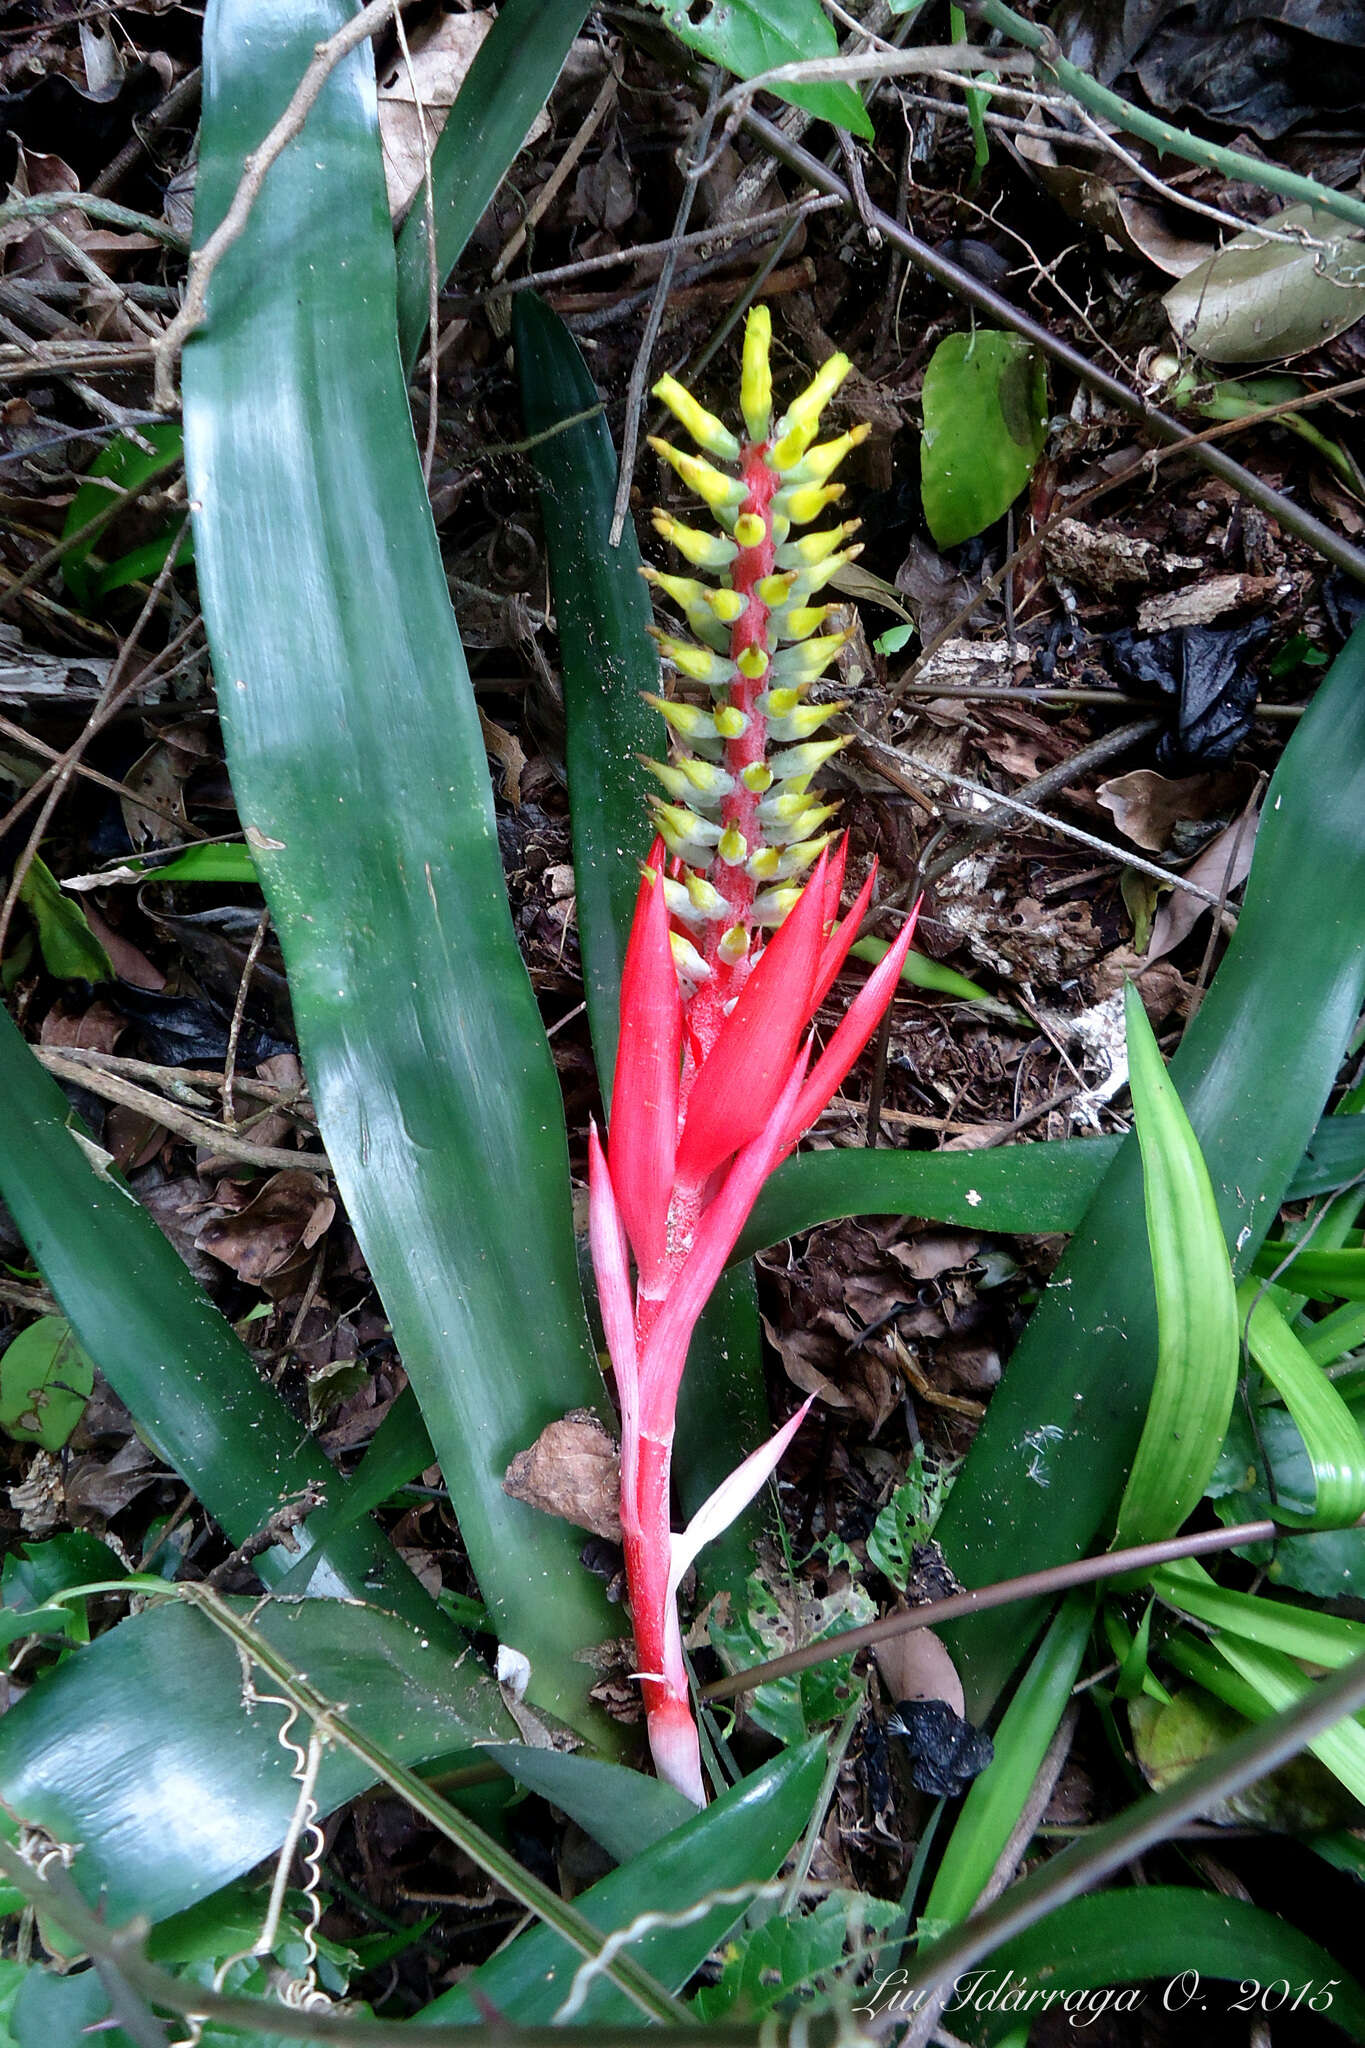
(440, 63)
(1149, 808)
(96, 1028)
(1224, 863)
(283, 1220)
(572, 1470)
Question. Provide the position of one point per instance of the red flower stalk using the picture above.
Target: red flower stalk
(714, 1082)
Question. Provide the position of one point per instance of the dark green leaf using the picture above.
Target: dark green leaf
(740, 1840)
(168, 1354)
(1335, 1155)
(1010, 1188)
(126, 464)
(623, 1810)
(1164, 1932)
(509, 81)
(985, 422)
(1330, 1563)
(1324, 1276)
(1284, 1002)
(140, 1748)
(357, 762)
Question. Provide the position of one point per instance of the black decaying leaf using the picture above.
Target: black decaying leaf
(945, 1752)
(1205, 671)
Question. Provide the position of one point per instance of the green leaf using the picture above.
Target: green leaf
(125, 464)
(1331, 1435)
(996, 1799)
(1323, 1276)
(169, 1356)
(1259, 301)
(140, 1748)
(1326, 1639)
(985, 423)
(608, 659)
(1335, 1155)
(45, 1382)
(1162, 1932)
(803, 1952)
(1280, 1683)
(69, 948)
(1284, 1001)
(228, 864)
(750, 36)
(920, 971)
(357, 761)
(1009, 1188)
(763, 1621)
(509, 81)
(740, 1840)
(1272, 1468)
(623, 1810)
(1196, 1307)
(907, 1519)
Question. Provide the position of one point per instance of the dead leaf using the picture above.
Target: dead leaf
(128, 961)
(1149, 808)
(96, 1028)
(157, 776)
(37, 1499)
(283, 1220)
(97, 1492)
(935, 1252)
(507, 751)
(1181, 913)
(440, 62)
(1260, 301)
(572, 1470)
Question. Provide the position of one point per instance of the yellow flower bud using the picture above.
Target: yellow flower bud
(750, 530)
(722, 493)
(756, 377)
(752, 662)
(706, 430)
(732, 846)
(704, 550)
(731, 722)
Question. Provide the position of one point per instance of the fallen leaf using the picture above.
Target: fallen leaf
(918, 1667)
(283, 1220)
(571, 1470)
(440, 63)
(1260, 301)
(1178, 916)
(96, 1028)
(1150, 808)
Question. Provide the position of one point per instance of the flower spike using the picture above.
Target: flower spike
(729, 959)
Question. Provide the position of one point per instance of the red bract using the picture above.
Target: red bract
(714, 1082)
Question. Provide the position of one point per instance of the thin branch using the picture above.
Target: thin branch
(42, 206)
(196, 1130)
(203, 262)
(1040, 1585)
(1290, 517)
(1088, 92)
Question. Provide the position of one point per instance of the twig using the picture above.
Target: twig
(203, 262)
(1291, 517)
(433, 265)
(179, 100)
(1088, 92)
(192, 1086)
(42, 206)
(10, 731)
(889, 761)
(196, 1130)
(557, 179)
(989, 693)
(60, 773)
(100, 280)
(118, 498)
(639, 375)
(238, 1012)
(1040, 1585)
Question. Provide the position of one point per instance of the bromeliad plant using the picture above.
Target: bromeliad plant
(714, 1085)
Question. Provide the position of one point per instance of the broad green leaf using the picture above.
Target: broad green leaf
(1271, 1468)
(357, 761)
(69, 948)
(603, 614)
(1303, 1632)
(1331, 1435)
(1008, 1188)
(762, 1621)
(1196, 1307)
(1342, 1331)
(170, 1357)
(996, 1799)
(1336, 1154)
(740, 1840)
(1161, 1932)
(141, 1750)
(125, 464)
(622, 1809)
(1324, 1276)
(1258, 301)
(509, 81)
(45, 1382)
(985, 423)
(1284, 1001)
(749, 36)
